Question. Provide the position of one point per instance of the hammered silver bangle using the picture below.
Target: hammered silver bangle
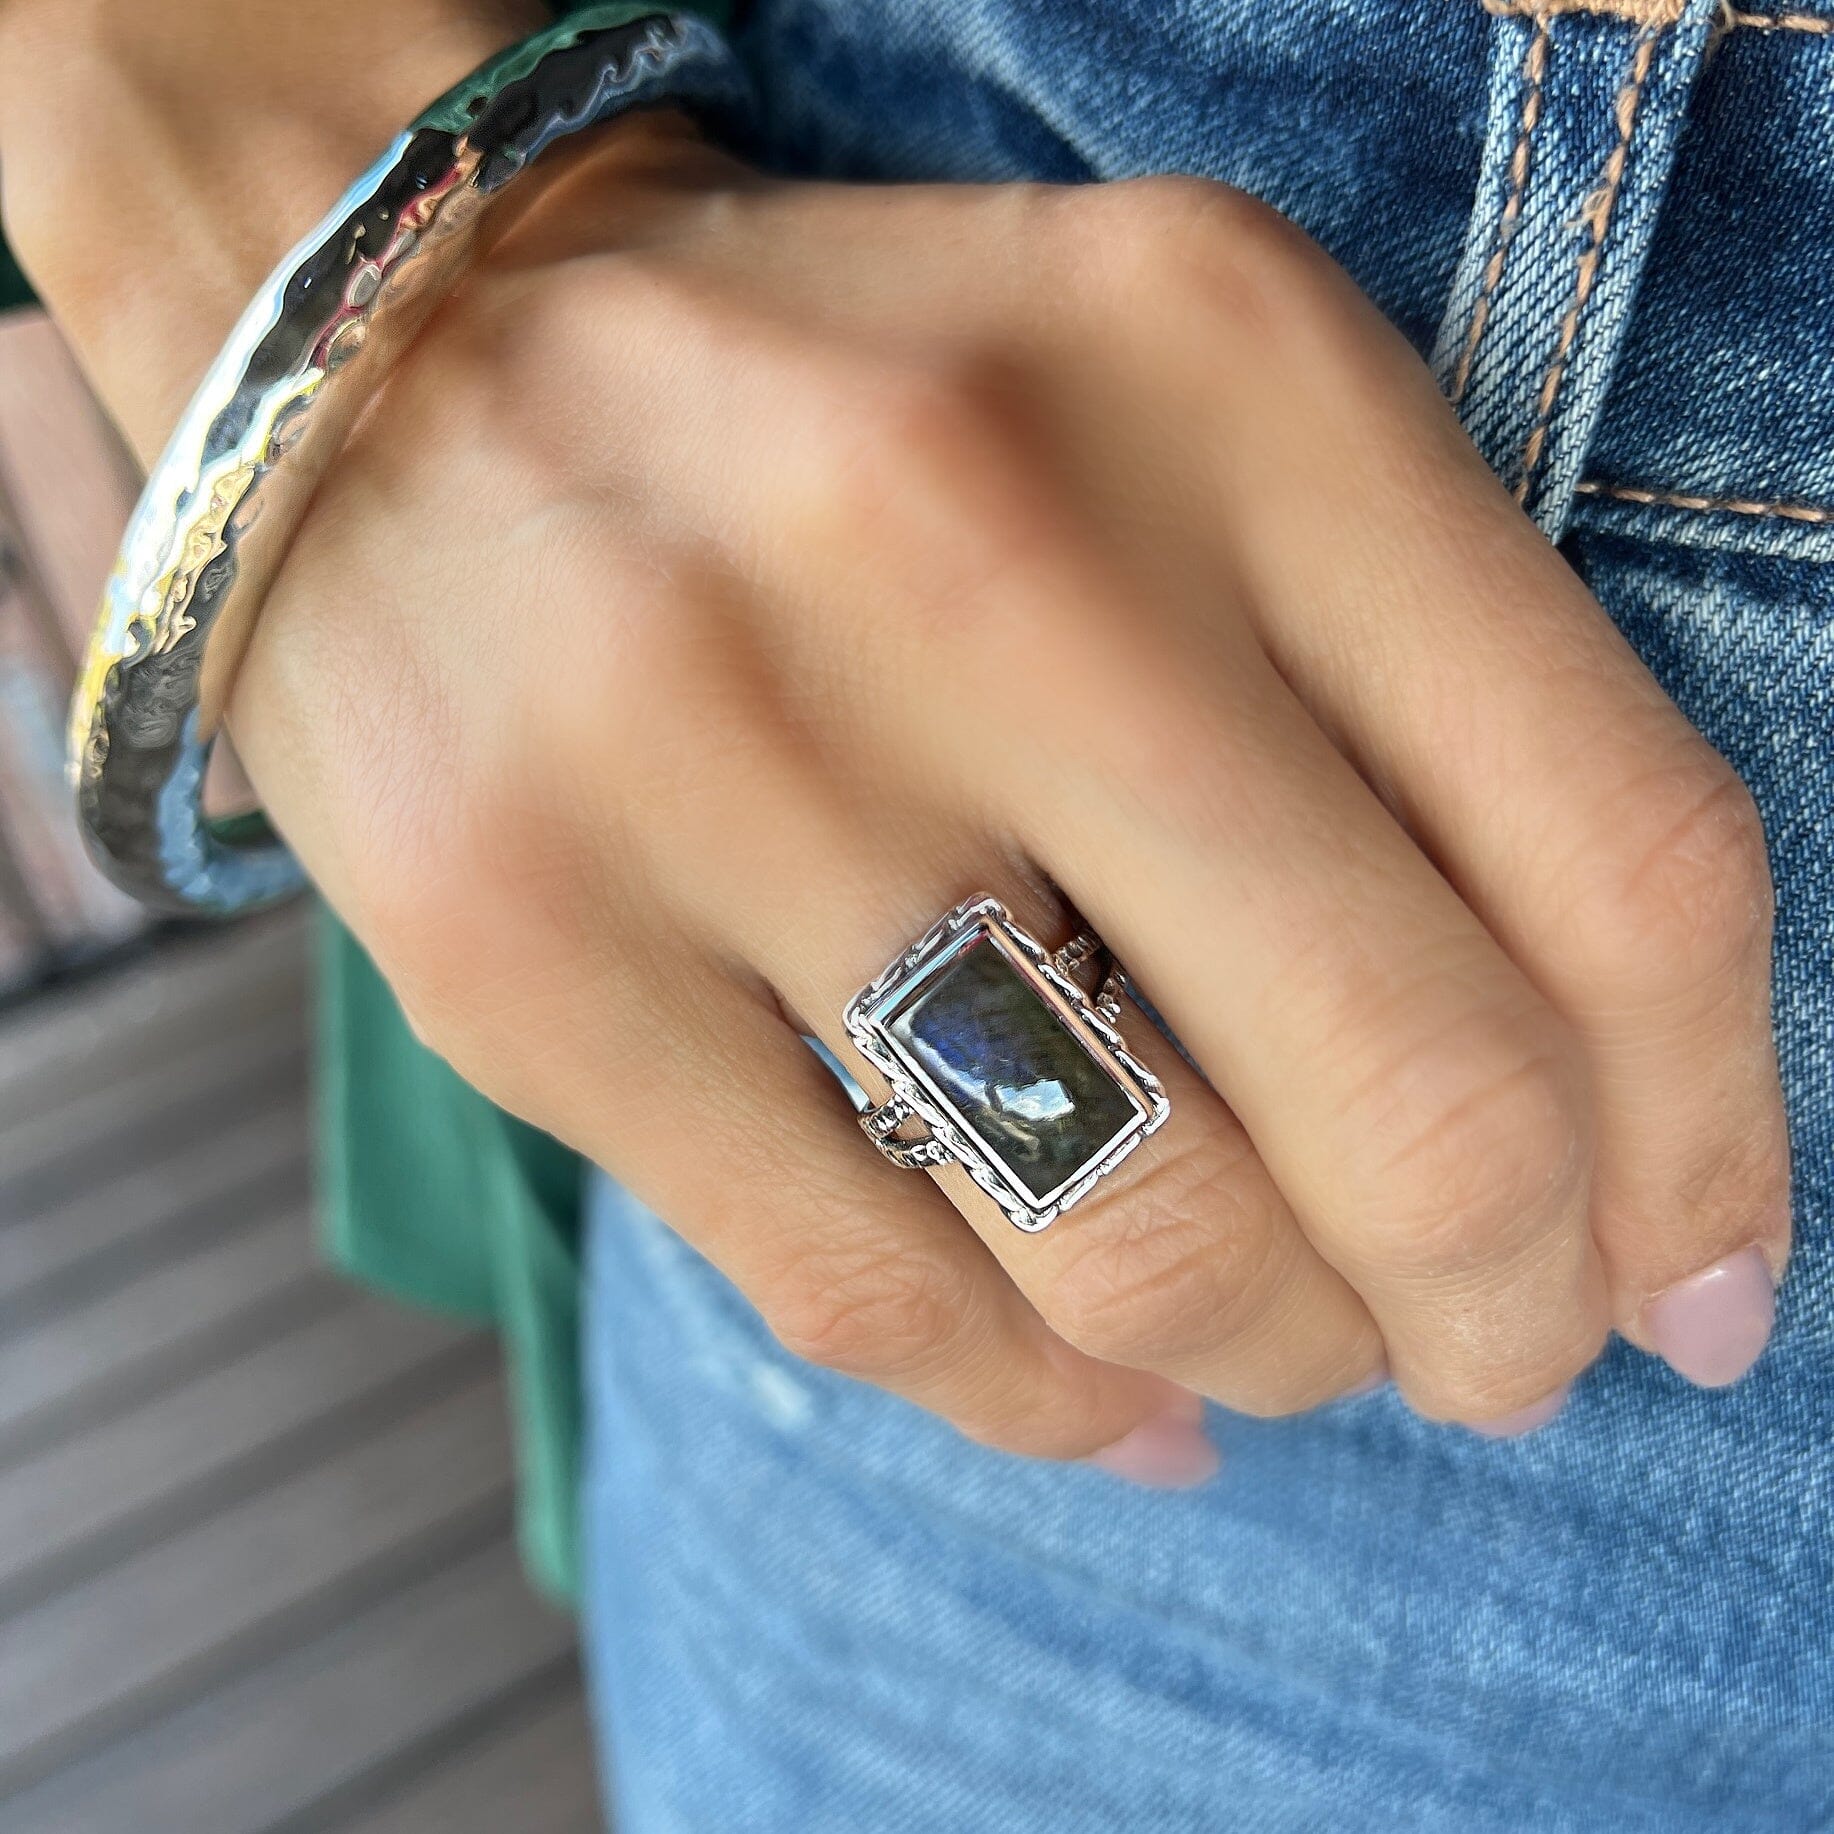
(227, 495)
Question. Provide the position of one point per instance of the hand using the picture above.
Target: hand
(738, 573)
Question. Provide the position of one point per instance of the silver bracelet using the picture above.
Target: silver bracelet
(227, 495)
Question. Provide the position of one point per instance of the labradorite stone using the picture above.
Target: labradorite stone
(1016, 1074)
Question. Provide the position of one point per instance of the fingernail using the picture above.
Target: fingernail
(1713, 1327)
(1167, 1452)
(1524, 1419)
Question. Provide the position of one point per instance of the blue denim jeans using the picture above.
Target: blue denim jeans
(811, 1609)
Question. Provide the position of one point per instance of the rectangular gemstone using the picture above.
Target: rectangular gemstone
(1015, 1073)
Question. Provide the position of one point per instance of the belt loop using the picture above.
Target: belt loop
(1587, 100)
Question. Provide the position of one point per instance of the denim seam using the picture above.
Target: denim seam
(1731, 506)
(1657, 13)
(1597, 218)
(1650, 14)
(1534, 74)
(1782, 22)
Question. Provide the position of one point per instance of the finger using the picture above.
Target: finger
(1186, 1260)
(708, 1106)
(1412, 1097)
(532, 946)
(1415, 1100)
(1613, 853)
(1420, 1106)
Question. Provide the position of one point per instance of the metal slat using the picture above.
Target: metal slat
(103, 1356)
(535, 1776)
(322, 1720)
(93, 1110)
(256, 1574)
(182, 1112)
(121, 1228)
(149, 1012)
(93, 1498)
(153, 1631)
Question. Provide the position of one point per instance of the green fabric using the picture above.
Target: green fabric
(429, 1192)
(13, 288)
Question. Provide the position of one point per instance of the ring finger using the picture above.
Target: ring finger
(1186, 1260)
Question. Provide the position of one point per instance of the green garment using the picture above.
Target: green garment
(428, 1191)
(13, 289)
(431, 1193)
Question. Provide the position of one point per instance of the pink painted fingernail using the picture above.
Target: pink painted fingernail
(1170, 1451)
(1524, 1419)
(1712, 1327)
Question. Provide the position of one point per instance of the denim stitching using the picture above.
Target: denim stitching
(1656, 13)
(1534, 74)
(1734, 506)
(1650, 14)
(1782, 22)
(1597, 217)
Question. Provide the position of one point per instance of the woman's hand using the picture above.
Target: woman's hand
(738, 573)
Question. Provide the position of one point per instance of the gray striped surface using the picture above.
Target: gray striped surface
(256, 1568)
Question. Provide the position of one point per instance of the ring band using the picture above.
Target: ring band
(1002, 1061)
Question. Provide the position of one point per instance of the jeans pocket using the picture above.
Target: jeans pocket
(1719, 431)
(1638, 334)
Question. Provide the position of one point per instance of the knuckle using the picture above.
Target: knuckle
(533, 344)
(545, 346)
(524, 368)
(928, 419)
(1685, 895)
(1475, 1390)
(878, 1313)
(1030, 1425)
(1478, 1149)
(1729, 1190)
(653, 704)
(1147, 1315)
(923, 466)
(900, 435)
(1219, 250)
(1168, 222)
(455, 943)
(1162, 1273)
(555, 387)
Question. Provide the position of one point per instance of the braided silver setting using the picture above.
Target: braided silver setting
(919, 1099)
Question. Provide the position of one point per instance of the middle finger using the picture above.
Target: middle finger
(1422, 1109)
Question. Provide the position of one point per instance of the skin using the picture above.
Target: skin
(738, 572)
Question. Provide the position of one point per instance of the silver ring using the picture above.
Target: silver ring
(1001, 1064)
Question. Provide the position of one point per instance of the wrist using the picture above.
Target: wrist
(147, 218)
